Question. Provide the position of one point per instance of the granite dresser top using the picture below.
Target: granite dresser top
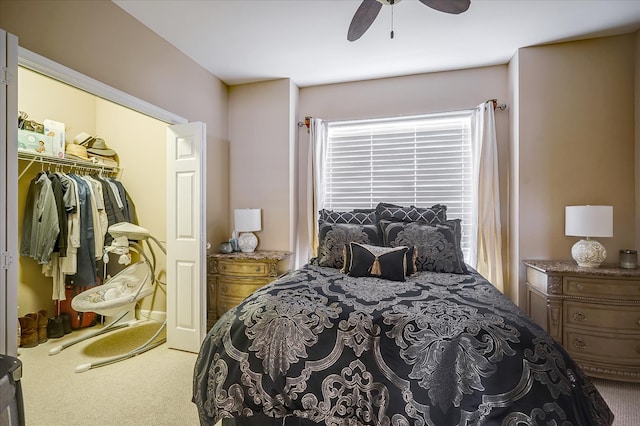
(570, 267)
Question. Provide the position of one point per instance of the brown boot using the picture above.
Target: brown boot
(29, 331)
(42, 326)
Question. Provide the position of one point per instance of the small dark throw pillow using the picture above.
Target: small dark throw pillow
(411, 258)
(372, 261)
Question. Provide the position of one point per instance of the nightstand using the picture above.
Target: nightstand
(234, 276)
(593, 312)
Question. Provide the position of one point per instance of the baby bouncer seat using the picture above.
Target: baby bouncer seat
(118, 296)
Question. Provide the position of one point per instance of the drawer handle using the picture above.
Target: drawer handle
(580, 287)
(579, 316)
(257, 269)
(223, 267)
(579, 344)
(224, 289)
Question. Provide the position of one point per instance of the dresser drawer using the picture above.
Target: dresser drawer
(256, 269)
(604, 347)
(601, 288)
(230, 288)
(602, 316)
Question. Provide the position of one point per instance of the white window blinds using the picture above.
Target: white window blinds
(418, 160)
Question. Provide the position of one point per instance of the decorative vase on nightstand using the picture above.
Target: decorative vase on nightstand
(247, 241)
(588, 253)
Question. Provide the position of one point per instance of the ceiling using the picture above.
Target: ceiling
(242, 41)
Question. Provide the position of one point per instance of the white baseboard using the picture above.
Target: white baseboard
(159, 316)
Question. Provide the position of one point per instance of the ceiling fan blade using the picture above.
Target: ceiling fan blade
(448, 6)
(363, 18)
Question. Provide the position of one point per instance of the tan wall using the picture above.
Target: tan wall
(576, 142)
(259, 171)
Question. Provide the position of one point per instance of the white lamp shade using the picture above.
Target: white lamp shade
(247, 220)
(589, 221)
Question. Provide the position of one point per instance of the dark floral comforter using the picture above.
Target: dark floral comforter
(440, 349)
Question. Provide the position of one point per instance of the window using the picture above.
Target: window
(418, 160)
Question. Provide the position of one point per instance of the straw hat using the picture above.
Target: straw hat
(78, 151)
(99, 147)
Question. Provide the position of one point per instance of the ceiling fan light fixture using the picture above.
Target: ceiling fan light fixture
(369, 10)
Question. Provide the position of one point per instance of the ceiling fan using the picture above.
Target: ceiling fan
(369, 9)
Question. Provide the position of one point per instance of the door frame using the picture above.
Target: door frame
(9, 193)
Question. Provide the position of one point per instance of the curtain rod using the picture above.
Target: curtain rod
(496, 105)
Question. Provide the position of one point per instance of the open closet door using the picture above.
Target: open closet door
(8, 193)
(186, 236)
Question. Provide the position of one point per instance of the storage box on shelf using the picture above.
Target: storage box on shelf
(593, 312)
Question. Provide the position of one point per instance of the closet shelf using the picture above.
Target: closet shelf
(66, 162)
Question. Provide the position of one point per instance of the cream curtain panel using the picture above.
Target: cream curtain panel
(315, 180)
(486, 243)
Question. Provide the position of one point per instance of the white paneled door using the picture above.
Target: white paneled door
(186, 251)
(8, 193)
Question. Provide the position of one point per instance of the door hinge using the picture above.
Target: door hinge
(5, 76)
(5, 260)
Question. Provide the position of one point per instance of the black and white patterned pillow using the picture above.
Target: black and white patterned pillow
(410, 259)
(358, 216)
(434, 214)
(438, 245)
(389, 263)
(332, 238)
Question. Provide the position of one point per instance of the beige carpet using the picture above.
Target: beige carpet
(623, 399)
(153, 388)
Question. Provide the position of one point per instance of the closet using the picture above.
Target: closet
(160, 162)
(138, 141)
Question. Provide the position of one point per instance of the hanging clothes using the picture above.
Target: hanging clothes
(118, 208)
(60, 246)
(86, 273)
(102, 223)
(65, 226)
(69, 264)
(66, 265)
(40, 225)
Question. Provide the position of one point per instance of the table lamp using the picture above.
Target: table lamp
(247, 221)
(587, 222)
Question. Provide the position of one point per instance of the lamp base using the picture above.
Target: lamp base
(588, 253)
(247, 241)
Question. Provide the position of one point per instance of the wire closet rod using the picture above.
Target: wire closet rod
(63, 162)
(496, 105)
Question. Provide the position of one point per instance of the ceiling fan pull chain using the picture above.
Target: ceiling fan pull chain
(392, 3)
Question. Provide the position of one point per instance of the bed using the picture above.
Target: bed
(333, 343)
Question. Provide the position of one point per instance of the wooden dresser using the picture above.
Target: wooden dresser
(593, 312)
(234, 276)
